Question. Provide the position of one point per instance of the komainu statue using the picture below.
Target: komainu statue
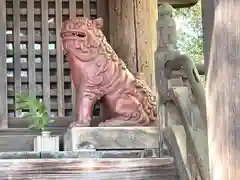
(98, 73)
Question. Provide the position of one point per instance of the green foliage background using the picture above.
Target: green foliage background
(190, 38)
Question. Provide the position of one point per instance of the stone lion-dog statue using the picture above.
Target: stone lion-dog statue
(98, 73)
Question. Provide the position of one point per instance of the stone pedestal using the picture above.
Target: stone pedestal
(93, 138)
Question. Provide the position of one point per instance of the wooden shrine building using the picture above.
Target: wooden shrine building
(31, 57)
(32, 60)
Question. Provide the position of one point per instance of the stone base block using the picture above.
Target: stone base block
(92, 138)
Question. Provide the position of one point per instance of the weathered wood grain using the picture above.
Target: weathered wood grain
(26, 131)
(3, 68)
(86, 8)
(200, 150)
(174, 142)
(54, 105)
(16, 50)
(196, 85)
(53, 65)
(173, 115)
(122, 35)
(72, 9)
(103, 12)
(43, 48)
(112, 137)
(39, 92)
(145, 16)
(175, 3)
(45, 54)
(64, 122)
(179, 3)
(59, 58)
(89, 169)
(38, 66)
(39, 79)
(74, 155)
(31, 52)
(15, 143)
(166, 43)
(95, 154)
(51, 11)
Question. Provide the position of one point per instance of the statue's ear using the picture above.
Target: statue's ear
(98, 23)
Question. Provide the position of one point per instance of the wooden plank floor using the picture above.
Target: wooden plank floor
(89, 169)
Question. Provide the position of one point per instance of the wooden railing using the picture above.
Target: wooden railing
(181, 101)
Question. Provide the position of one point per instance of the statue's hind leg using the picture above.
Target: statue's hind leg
(117, 121)
(130, 113)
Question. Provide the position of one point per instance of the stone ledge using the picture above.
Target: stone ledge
(154, 153)
(111, 138)
(90, 169)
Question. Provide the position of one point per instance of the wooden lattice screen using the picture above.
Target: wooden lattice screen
(33, 60)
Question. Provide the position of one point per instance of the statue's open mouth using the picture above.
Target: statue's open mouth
(76, 34)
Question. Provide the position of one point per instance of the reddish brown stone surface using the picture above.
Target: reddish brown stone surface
(98, 73)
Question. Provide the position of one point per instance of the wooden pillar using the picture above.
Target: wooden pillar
(132, 33)
(207, 19)
(223, 92)
(3, 68)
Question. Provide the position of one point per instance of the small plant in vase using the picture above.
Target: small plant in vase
(39, 120)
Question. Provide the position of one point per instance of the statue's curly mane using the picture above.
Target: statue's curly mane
(111, 54)
(107, 75)
(150, 100)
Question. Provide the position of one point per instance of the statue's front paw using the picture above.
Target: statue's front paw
(84, 120)
(102, 124)
(79, 124)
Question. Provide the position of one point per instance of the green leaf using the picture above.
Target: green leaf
(51, 121)
(37, 115)
(31, 126)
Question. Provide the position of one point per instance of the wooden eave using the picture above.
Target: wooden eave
(179, 3)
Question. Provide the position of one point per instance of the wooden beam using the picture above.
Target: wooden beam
(102, 11)
(146, 14)
(3, 68)
(59, 59)
(73, 13)
(179, 3)
(196, 85)
(175, 138)
(207, 20)
(86, 8)
(63, 122)
(201, 159)
(31, 49)
(17, 51)
(133, 34)
(122, 32)
(89, 168)
(45, 55)
(222, 92)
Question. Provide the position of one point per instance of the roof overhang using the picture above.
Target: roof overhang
(179, 3)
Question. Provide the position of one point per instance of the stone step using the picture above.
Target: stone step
(90, 169)
(80, 154)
